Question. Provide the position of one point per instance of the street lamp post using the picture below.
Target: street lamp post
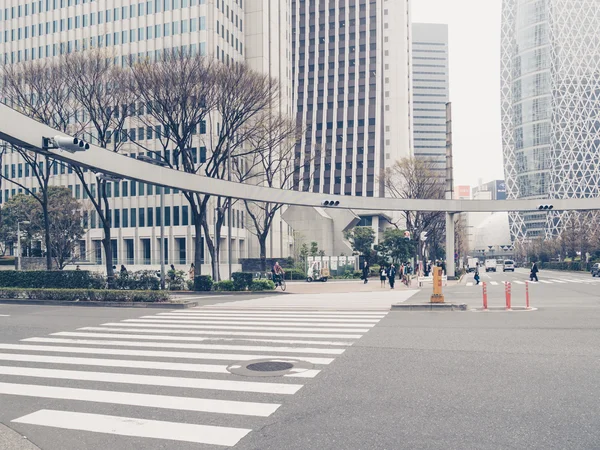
(24, 222)
(158, 162)
(229, 242)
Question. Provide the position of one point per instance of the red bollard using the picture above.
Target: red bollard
(485, 299)
(508, 295)
(527, 294)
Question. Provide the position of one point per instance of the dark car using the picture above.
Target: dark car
(596, 270)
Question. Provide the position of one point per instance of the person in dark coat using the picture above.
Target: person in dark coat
(365, 272)
(392, 275)
(477, 278)
(534, 271)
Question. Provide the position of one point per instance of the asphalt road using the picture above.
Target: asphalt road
(379, 380)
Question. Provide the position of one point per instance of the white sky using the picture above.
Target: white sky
(474, 44)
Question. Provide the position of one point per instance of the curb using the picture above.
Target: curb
(430, 307)
(175, 294)
(164, 305)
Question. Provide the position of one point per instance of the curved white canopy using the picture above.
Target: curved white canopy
(28, 133)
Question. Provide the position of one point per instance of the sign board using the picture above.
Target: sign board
(333, 263)
(352, 261)
(342, 260)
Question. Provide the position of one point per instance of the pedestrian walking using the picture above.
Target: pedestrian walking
(191, 271)
(408, 273)
(534, 271)
(392, 275)
(365, 272)
(123, 271)
(382, 276)
(477, 278)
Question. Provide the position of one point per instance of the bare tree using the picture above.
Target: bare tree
(103, 103)
(272, 165)
(65, 225)
(415, 178)
(41, 90)
(192, 97)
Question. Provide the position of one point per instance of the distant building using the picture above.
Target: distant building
(462, 192)
(431, 92)
(496, 188)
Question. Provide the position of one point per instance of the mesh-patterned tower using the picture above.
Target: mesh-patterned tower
(550, 106)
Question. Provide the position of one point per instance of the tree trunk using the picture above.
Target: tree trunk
(106, 243)
(198, 246)
(262, 242)
(47, 232)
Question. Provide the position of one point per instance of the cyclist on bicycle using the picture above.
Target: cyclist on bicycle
(278, 273)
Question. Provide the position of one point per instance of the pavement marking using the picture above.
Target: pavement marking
(308, 314)
(545, 282)
(220, 318)
(518, 282)
(152, 380)
(558, 281)
(469, 284)
(195, 338)
(134, 364)
(158, 354)
(168, 330)
(248, 348)
(494, 283)
(282, 309)
(146, 323)
(4, 315)
(154, 319)
(146, 400)
(142, 428)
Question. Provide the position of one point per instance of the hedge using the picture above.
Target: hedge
(51, 279)
(567, 265)
(295, 274)
(224, 285)
(242, 280)
(262, 285)
(203, 283)
(84, 295)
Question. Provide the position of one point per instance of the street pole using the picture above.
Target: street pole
(229, 249)
(162, 237)
(18, 246)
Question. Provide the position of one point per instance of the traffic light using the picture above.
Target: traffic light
(330, 203)
(545, 207)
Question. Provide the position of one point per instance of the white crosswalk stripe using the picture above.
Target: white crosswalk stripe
(548, 281)
(179, 361)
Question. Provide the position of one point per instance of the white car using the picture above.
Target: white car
(508, 265)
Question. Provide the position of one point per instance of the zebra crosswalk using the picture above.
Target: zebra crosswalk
(541, 281)
(151, 369)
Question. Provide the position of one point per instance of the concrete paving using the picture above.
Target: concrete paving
(78, 379)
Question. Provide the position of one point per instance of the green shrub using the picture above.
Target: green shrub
(140, 280)
(84, 295)
(262, 285)
(295, 274)
(242, 280)
(224, 285)
(52, 279)
(176, 279)
(566, 265)
(203, 283)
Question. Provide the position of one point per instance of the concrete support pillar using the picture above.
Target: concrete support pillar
(450, 268)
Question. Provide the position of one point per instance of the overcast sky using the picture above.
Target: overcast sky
(474, 27)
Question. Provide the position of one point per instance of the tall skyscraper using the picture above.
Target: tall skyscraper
(431, 92)
(255, 31)
(550, 104)
(351, 91)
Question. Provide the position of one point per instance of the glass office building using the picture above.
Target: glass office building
(550, 99)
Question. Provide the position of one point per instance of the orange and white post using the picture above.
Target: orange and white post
(507, 290)
(527, 295)
(485, 298)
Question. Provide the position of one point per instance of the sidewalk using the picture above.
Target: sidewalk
(342, 286)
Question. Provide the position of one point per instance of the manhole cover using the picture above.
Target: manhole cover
(270, 366)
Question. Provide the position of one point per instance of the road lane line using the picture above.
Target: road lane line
(154, 319)
(174, 329)
(134, 427)
(274, 310)
(152, 380)
(176, 345)
(195, 339)
(145, 323)
(158, 354)
(133, 364)
(266, 318)
(146, 400)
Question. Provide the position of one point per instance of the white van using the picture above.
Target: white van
(490, 265)
(508, 265)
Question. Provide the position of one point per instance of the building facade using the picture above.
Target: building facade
(550, 84)
(496, 188)
(431, 93)
(255, 31)
(351, 92)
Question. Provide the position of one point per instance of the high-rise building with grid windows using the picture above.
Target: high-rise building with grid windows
(550, 103)
(351, 91)
(255, 31)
